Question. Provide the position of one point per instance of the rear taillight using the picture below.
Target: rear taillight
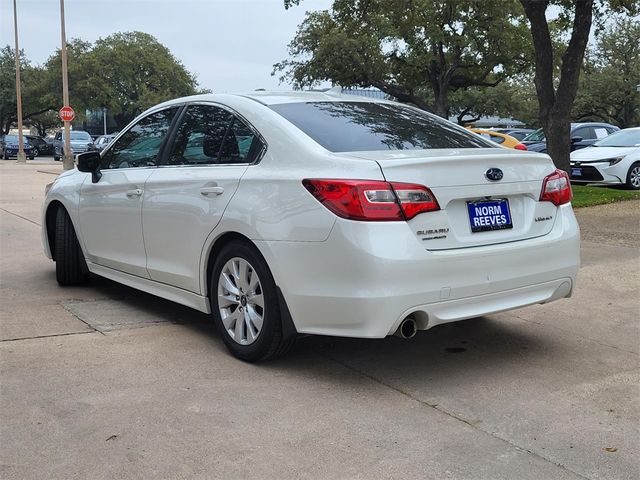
(556, 188)
(372, 200)
(520, 146)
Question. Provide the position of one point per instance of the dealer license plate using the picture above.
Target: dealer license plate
(489, 215)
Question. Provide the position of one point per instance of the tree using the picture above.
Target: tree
(418, 51)
(610, 76)
(125, 72)
(556, 92)
(513, 98)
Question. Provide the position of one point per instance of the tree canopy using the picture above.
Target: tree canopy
(418, 51)
(611, 74)
(124, 72)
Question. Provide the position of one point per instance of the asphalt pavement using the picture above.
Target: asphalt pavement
(103, 381)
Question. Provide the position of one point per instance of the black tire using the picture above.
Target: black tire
(31, 157)
(270, 342)
(632, 176)
(34, 152)
(56, 159)
(71, 267)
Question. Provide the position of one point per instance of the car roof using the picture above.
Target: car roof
(275, 97)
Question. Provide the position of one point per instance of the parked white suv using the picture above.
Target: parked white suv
(287, 213)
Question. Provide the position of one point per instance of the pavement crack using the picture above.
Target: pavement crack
(19, 216)
(35, 337)
(443, 411)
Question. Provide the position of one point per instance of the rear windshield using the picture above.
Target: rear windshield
(80, 136)
(367, 126)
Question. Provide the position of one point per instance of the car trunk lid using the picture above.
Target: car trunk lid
(474, 210)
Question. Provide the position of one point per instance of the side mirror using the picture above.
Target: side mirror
(90, 162)
(576, 139)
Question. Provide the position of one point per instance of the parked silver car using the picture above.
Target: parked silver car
(81, 142)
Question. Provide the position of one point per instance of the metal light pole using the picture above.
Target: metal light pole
(104, 120)
(22, 158)
(67, 158)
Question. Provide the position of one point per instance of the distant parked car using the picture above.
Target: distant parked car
(517, 133)
(614, 160)
(9, 147)
(103, 140)
(81, 142)
(582, 135)
(39, 145)
(500, 138)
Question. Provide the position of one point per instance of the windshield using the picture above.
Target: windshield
(537, 136)
(11, 138)
(80, 136)
(369, 126)
(623, 138)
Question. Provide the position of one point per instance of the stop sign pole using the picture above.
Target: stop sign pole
(67, 158)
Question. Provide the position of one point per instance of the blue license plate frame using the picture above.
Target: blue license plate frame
(488, 215)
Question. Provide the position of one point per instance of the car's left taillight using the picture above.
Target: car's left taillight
(556, 188)
(521, 146)
(372, 200)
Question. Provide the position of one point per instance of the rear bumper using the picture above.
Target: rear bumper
(367, 277)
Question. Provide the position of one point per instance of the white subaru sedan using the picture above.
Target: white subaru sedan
(614, 160)
(313, 213)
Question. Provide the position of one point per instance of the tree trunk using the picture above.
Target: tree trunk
(558, 133)
(555, 104)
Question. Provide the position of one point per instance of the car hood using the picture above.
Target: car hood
(600, 153)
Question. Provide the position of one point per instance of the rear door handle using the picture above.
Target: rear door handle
(135, 193)
(214, 191)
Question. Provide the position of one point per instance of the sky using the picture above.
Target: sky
(231, 45)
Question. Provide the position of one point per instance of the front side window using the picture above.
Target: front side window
(141, 144)
(210, 135)
(369, 126)
(586, 133)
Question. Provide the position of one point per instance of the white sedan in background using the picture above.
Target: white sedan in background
(614, 160)
(315, 213)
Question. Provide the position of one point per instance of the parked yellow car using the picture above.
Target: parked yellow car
(500, 138)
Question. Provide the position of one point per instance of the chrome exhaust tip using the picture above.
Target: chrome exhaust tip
(407, 329)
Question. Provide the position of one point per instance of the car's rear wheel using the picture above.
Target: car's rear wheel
(245, 305)
(633, 177)
(71, 267)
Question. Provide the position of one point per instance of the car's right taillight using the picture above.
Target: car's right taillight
(372, 200)
(520, 146)
(556, 188)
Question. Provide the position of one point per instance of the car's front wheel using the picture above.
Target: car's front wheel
(245, 305)
(35, 152)
(71, 267)
(633, 177)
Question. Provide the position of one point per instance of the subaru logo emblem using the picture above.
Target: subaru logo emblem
(494, 174)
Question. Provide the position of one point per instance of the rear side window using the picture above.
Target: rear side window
(140, 145)
(210, 135)
(367, 126)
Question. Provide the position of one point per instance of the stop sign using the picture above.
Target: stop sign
(66, 114)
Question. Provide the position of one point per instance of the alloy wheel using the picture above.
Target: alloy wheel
(240, 301)
(634, 176)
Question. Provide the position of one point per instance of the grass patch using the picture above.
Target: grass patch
(587, 196)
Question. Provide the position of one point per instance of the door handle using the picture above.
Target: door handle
(134, 193)
(206, 191)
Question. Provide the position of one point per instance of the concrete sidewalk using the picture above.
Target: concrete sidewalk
(107, 382)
